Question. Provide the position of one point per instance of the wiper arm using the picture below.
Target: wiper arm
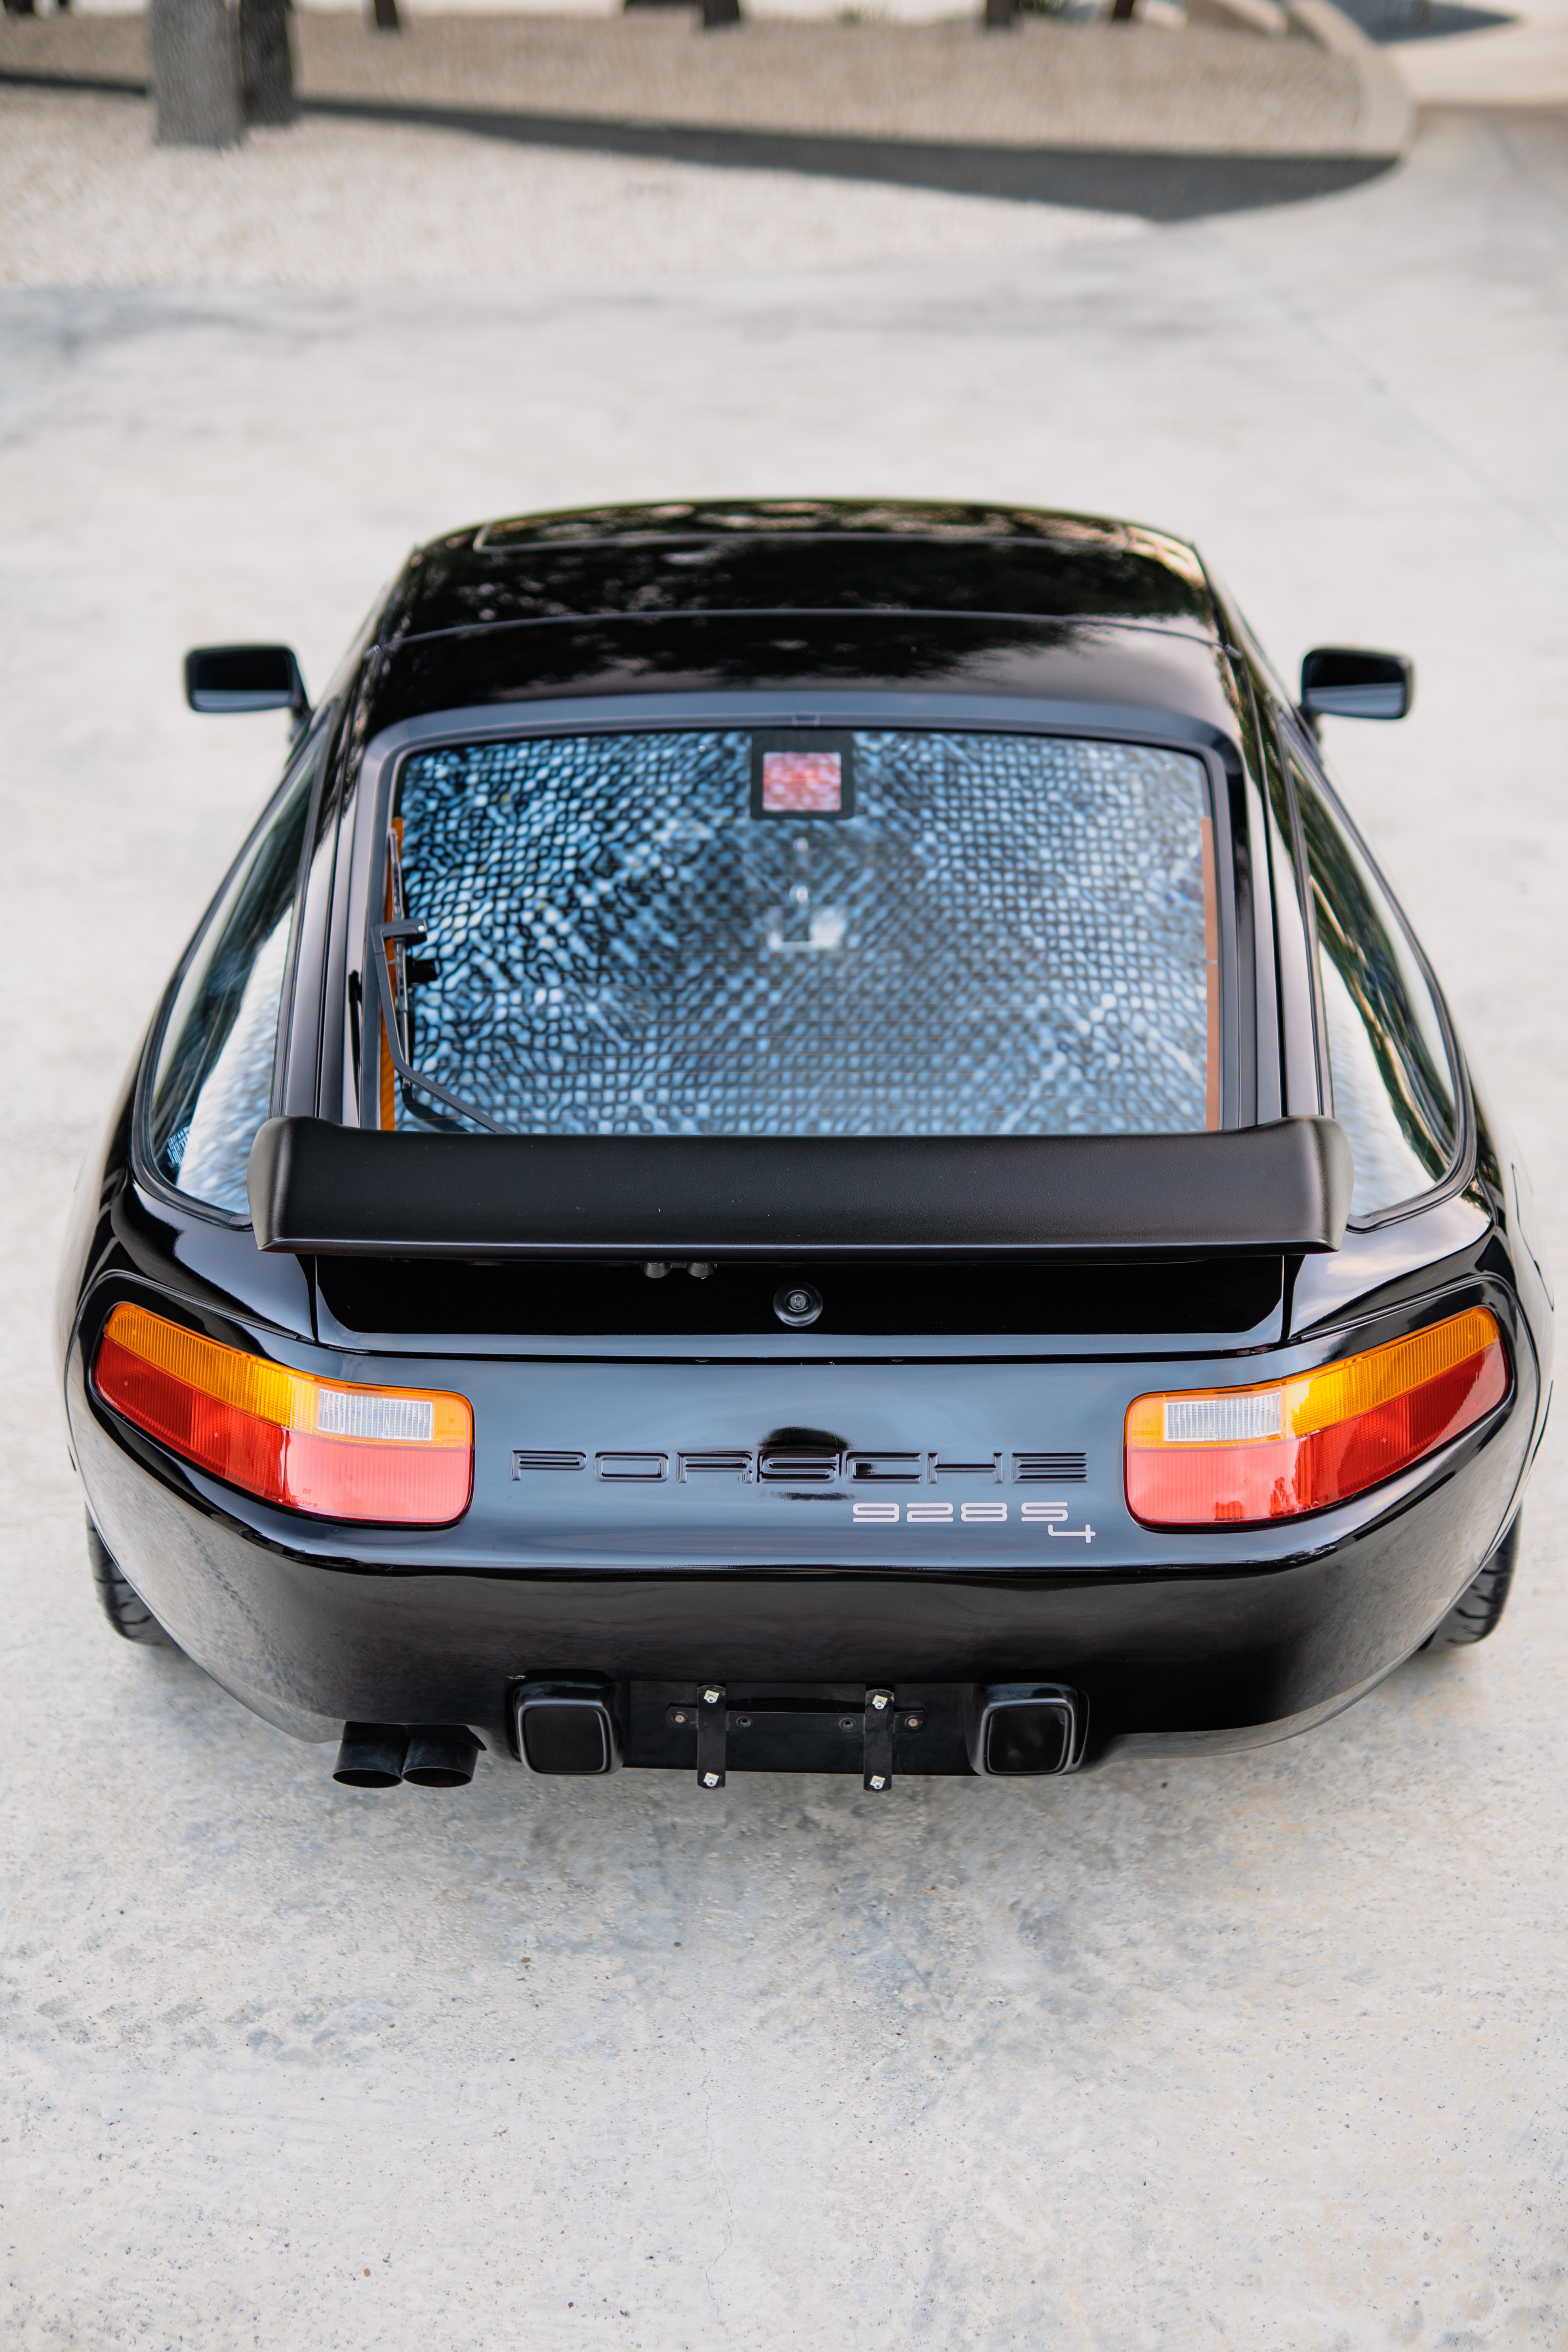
(396, 935)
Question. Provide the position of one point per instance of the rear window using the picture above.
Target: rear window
(729, 932)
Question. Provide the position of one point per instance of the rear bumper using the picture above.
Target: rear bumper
(1167, 1658)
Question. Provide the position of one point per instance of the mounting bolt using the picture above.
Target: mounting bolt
(712, 1697)
(877, 1781)
(711, 1779)
(878, 1700)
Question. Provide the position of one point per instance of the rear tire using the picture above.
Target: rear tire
(130, 1615)
(1480, 1607)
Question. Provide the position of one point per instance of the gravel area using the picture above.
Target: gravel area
(1202, 90)
(88, 200)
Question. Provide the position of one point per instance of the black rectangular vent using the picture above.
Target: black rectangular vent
(1056, 1469)
(523, 1463)
(1036, 1302)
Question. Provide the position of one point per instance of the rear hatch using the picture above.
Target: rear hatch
(930, 1415)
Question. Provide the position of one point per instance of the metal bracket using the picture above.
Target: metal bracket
(878, 1741)
(712, 1734)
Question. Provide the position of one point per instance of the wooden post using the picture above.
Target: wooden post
(195, 74)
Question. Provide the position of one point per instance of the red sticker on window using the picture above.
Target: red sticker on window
(802, 780)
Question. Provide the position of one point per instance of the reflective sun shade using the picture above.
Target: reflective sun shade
(1211, 1456)
(333, 1449)
(907, 931)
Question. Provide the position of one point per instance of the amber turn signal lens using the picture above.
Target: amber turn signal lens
(1203, 1457)
(404, 1456)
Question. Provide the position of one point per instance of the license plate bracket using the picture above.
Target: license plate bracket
(769, 1728)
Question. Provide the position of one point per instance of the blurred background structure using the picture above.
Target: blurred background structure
(1238, 78)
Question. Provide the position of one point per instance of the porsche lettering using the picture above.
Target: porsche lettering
(779, 1465)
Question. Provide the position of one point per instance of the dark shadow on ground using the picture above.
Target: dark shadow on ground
(1154, 186)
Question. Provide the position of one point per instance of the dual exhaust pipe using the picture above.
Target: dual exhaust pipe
(430, 1755)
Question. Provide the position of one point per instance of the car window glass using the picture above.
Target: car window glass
(873, 933)
(1392, 1087)
(1302, 1069)
(1247, 636)
(213, 1086)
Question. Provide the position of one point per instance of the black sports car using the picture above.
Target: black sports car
(804, 1140)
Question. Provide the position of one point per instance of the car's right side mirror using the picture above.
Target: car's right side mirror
(245, 677)
(1340, 682)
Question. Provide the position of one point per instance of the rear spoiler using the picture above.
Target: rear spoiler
(351, 1192)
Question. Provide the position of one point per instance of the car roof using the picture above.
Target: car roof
(694, 597)
(808, 555)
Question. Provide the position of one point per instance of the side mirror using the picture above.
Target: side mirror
(1337, 682)
(245, 677)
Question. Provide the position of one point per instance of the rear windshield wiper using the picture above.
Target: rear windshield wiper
(396, 935)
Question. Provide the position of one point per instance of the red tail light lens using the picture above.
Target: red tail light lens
(328, 1447)
(1206, 1457)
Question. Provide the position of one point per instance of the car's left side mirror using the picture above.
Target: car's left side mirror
(245, 677)
(1339, 682)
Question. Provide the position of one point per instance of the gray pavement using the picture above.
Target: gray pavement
(1265, 2052)
(329, 202)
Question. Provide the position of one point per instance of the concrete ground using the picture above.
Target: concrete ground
(1265, 2052)
(334, 204)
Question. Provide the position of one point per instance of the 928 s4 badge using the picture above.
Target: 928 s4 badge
(946, 1515)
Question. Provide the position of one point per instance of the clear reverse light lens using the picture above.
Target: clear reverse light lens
(1221, 1420)
(401, 1421)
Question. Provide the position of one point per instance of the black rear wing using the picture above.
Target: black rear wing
(351, 1192)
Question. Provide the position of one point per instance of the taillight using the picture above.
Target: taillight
(1203, 1456)
(328, 1447)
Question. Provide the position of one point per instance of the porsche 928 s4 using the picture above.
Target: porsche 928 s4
(804, 1140)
